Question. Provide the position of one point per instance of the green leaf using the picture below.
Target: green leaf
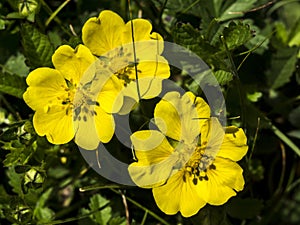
(283, 64)
(41, 212)
(37, 46)
(12, 84)
(244, 208)
(236, 9)
(16, 65)
(117, 221)
(101, 216)
(15, 15)
(2, 24)
(294, 36)
(253, 97)
(19, 154)
(223, 77)
(294, 134)
(15, 180)
(260, 37)
(236, 34)
(191, 38)
(294, 117)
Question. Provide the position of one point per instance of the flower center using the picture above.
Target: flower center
(198, 165)
(84, 103)
(77, 99)
(120, 58)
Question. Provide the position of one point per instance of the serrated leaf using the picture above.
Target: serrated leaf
(236, 34)
(223, 77)
(236, 9)
(16, 65)
(12, 84)
(18, 155)
(260, 37)
(100, 216)
(117, 221)
(283, 64)
(41, 212)
(244, 208)
(191, 38)
(15, 180)
(37, 46)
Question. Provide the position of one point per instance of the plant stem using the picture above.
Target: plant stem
(143, 208)
(53, 15)
(237, 80)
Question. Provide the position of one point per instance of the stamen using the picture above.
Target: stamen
(212, 167)
(195, 181)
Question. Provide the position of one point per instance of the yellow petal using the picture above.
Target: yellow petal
(151, 147)
(73, 64)
(55, 124)
(202, 107)
(93, 128)
(234, 145)
(181, 117)
(222, 182)
(156, 68)
(110, 96)
(86, 136)
(212, 136)
(142, 32)
(148, 88)
(177, 195)
(103, 33)
(46, 86)
(104, 124)
(155, 160)
(167, 116)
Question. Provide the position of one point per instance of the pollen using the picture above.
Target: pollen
(198, 166)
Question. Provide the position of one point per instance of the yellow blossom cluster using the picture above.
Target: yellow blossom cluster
(188, 161)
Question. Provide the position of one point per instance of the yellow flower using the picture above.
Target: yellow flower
(65, 105)
(190, 160)
(130, 51)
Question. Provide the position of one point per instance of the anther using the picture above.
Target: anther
(212, 167)
(195, 181)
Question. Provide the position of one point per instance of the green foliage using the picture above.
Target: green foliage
(283, 64)
(234, 9)
(12, 84)
(236, 34)
(41, 212)
(255, 63)
(16, 65)
(101, 213)
(37, 46)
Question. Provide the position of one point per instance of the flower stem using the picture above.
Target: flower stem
(56, 19)
(53, 15)
(237, 80)
(143, 208)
